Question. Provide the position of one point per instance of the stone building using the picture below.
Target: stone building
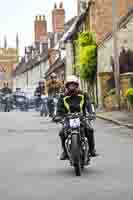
(9, 57)
(106, 63)
(101, 15)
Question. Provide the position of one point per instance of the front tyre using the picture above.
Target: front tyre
(75, 154)
(77, 170)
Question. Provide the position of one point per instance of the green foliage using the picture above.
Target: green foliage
(86, 38)
(129, 95)
(129, 92)
(88, 56)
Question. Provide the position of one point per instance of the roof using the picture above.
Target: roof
(57, 64)
(23, 66)
(73, 29)
(69, 23)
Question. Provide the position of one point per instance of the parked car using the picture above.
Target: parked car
(31, 98)
(20, 101)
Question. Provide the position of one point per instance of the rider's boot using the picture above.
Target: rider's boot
(91, 141)
(64, 155)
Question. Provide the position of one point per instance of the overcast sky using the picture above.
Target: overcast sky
(18, 16)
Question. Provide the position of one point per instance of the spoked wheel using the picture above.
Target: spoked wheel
(75, 151)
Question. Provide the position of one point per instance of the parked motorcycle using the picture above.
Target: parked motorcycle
(20, 102)
(76, 143)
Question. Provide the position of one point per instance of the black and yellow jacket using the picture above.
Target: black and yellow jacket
(71, 104)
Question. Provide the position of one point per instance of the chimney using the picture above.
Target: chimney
(40, 28)
(58, 18)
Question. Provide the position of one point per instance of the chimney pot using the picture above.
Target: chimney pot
(55, 6)
(61, 4)
(36, 18)
(43, 17)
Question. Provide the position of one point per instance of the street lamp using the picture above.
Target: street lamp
(116, 52)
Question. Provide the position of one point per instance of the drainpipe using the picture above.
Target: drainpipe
(116, 50)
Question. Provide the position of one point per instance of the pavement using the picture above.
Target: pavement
(30, 168)
(118, 117)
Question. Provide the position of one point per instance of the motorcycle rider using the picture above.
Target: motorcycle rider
(75, 101)
(39, 92)
(54, 86)
(6, 90)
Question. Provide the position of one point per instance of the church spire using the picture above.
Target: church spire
(17, 41)
(5, 42)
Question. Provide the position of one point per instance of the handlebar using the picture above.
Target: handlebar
(77, 115)
(81, 115)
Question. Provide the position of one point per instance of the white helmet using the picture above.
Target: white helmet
(72, 79)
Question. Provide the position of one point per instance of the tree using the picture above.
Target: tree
(88, 57)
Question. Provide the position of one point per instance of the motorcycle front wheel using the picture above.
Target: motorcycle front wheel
(75, 154)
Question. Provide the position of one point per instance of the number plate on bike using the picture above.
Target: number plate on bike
(75, 123)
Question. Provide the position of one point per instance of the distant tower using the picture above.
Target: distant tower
(5, 42)
(17, 41)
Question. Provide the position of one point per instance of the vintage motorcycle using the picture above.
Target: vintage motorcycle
(20, 102)
(76, 143)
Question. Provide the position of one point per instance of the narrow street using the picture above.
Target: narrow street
(30, 168)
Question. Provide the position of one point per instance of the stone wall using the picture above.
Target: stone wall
(104, 77)
(103, 15)
(105, 52)
(109, 101)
